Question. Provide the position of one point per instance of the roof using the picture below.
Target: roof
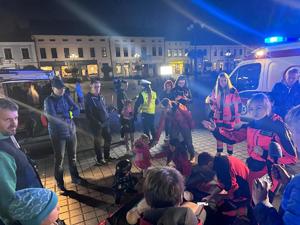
(16, 75)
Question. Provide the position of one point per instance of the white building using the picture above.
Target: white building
(17, 55)
(137, 55)
(60, 52)
(177, 55)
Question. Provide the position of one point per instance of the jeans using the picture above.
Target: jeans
(148, 124)
(60, 146)
(101, 134)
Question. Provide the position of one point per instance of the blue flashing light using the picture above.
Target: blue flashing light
(275, 39)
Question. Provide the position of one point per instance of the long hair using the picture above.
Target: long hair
(168, 82)
(218, 87)
(181, 77)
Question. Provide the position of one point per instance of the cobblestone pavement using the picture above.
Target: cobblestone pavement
(98, 198)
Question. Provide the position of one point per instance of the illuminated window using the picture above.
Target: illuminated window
(118, 68)
(92, 69)
(169, 52)
(179, 52)
(175, 52)
(103, 51)
(47, 68)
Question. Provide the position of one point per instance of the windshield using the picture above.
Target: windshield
(30, 96)
(246, 77)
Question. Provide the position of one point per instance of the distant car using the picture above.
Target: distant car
(28, 89)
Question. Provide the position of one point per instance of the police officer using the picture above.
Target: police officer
(146, 102)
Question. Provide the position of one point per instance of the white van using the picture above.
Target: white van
(263, 68)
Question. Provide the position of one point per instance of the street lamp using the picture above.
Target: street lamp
(228, 57)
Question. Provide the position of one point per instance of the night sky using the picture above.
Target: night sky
(214, 21)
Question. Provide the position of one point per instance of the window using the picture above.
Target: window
(102, 39)
(221, 53)
(91, 39)
(92, 52)
(175, 52)
(67, 52)
(103, 52)
(64, 39)
(124, 40)
(216, 52)
(241, 51)
(43, 53)
(180, 52)
(78, 40)
(118, 52)
(132, 51)
(144, 51)
(131, 40)
(153, 40)
(125, 51)
(169, 52)
(234, 52)
(246, 77)
(159, 41)
(53, 53)
(7, 53)
(143, 40)
(160, 51)
(52, 40)
(154, 51)
(204, 52)
(41, 40)
(25, 53)
(80, 52)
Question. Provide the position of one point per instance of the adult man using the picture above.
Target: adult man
(147, 101)
(98, 117)
(60, 110)
(286, 93)
(16, 171)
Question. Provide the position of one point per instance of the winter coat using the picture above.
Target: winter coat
(142, 155)
(60, 111)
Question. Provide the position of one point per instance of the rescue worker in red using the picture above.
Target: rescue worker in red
(259, 133)
(181, 123)
(232, 175)
(225, 103)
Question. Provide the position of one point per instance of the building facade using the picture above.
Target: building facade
(17, 55)
(65, 54)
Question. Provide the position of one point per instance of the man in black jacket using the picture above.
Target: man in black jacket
(98, 118)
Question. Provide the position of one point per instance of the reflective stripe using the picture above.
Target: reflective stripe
(148, 106)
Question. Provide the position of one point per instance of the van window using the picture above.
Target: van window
(30, 97)
(246, 77)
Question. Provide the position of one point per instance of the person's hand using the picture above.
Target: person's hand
(211, 126)
(207, 198)
(260, 191)
(281, 174)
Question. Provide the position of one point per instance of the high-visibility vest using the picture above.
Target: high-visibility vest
(148, 105)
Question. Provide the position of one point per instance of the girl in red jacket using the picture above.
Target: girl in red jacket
(142, 158)
(225, 102)
(259, 133)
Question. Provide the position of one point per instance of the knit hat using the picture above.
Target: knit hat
(32, 206)
(57, 83)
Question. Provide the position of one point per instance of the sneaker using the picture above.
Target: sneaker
(102, 162)
(110, 159)
(79, 180)
(61, 187)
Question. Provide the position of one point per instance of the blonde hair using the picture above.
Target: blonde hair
(218, 87)
(263, 99)
(293, 118)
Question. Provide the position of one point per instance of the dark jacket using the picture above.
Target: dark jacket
(284, 98)
(60, 111)
(96, 111)
(183, 93)
(121, 97)
(169, 216)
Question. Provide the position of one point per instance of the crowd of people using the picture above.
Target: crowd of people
(226, 188)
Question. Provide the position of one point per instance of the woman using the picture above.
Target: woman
(167, 93)
(259, 133)
(225, 103)
(181, 93)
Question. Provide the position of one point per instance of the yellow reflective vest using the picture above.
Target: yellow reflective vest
(148, 105)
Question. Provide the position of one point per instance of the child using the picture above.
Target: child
(34, 206)
(142, 153)
(176, 152)
(127, 123)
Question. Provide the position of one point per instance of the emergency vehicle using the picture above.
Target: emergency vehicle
(264, 67)
(28, 89)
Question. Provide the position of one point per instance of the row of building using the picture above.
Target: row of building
(125, 56)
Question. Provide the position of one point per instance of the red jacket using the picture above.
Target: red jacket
(259, 134)
(142, 155)
(225, 107)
